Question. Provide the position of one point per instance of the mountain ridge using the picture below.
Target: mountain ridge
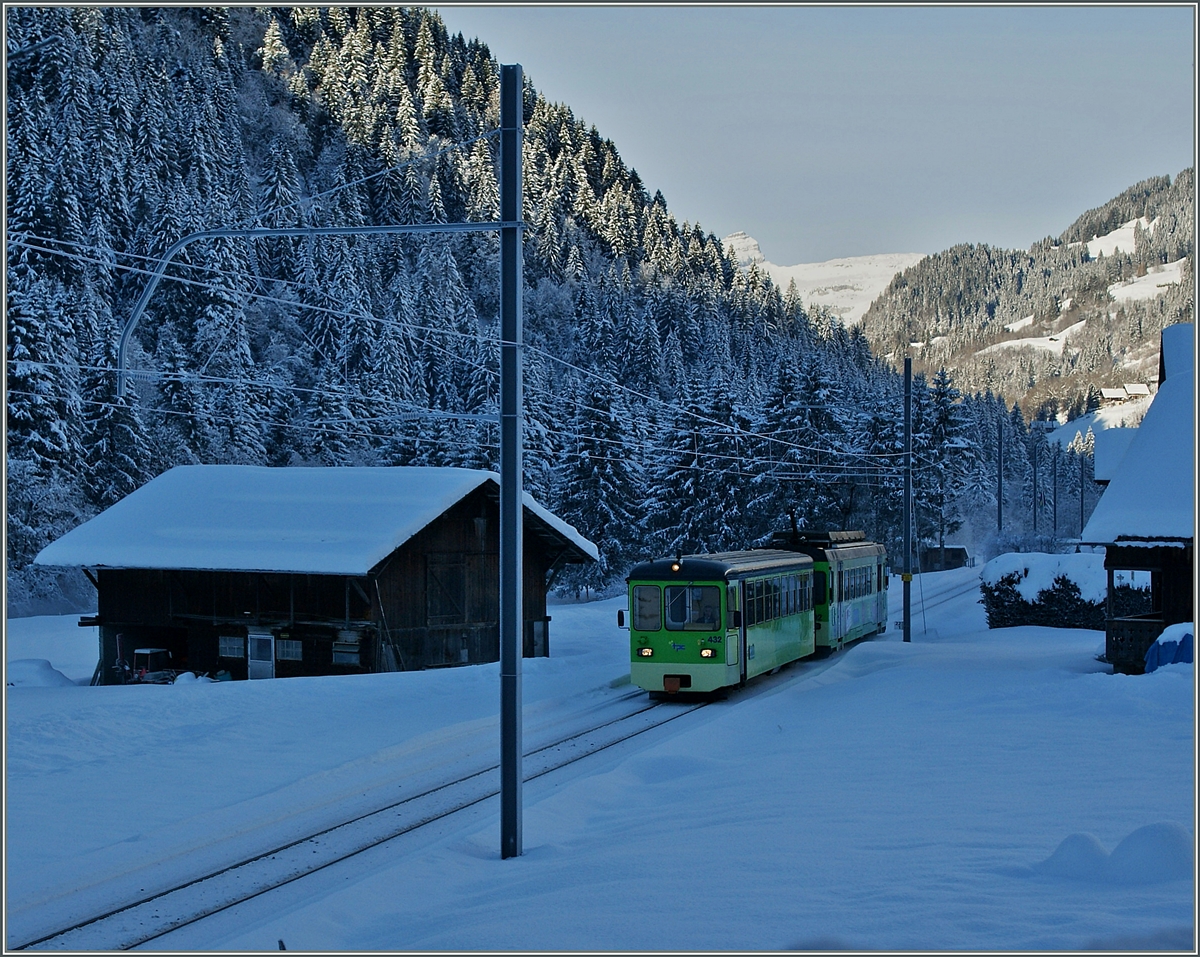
(845, 286)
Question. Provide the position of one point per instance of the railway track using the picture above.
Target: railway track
(944, 594)
(155, 915)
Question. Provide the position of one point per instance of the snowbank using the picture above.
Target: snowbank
(1150, 855)
(1172, 647)
(73, 650)
(35, 673)
(1036, 572)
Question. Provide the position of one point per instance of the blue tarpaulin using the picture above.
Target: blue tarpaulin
(1169, 652)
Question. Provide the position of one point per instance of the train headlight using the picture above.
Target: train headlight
(645, 652)
(708, 652)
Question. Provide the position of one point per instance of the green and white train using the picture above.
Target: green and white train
(702, 622)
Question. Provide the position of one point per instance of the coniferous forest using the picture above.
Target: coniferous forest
(674, 402)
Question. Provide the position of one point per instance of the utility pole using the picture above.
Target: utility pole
(1054, 482)
(1035, 488)
(511, 613)
(1081, 493)
(906, 577)
(999, 476)
(511, 415)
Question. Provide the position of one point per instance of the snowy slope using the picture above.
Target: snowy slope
(1121, 238)
(922, 796)
(1126, 414)
(1150, 286)
(1054, 343)
(846, 286)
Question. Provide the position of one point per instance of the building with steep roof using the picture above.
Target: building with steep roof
(1146, 517)
(265, 572)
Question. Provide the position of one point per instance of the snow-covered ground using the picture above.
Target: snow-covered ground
(1121, 238)
(847, 286)
(1150, 286)
(974, 789)
(1126, 414)
(1052, 343)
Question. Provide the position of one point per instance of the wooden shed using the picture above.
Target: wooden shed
(1145, 519)
(281, 572)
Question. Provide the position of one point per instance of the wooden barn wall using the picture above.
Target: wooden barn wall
(465, 537)
(186, 612)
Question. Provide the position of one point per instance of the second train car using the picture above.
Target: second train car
(703, 622)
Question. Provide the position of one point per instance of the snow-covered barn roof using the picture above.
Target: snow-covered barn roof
(321, 521)
(1109, 450)
(1176, 354)
(1151, 496)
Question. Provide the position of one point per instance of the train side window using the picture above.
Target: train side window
(647, 608)
(819, 587)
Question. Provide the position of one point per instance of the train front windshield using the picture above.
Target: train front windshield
(693, 607)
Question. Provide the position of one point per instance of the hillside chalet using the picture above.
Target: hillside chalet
(1145, 518)
(281, 572)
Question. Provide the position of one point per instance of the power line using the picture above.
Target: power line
(726, 428)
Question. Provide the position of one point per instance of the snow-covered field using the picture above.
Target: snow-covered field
(1052, 343)
(974, 789)
(1150, 286)
(1126, 414)
(847, 286)
(1121, 238)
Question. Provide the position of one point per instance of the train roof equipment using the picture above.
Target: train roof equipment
(849, 543)
(719, 565)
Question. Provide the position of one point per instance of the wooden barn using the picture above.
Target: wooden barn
(1145, 518)
(282, 572)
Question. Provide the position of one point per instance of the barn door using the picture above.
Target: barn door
(260, 651)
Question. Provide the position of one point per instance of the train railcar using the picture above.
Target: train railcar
(849, 580)
(704, 622)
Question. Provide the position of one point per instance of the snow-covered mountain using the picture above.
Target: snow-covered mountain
(845, 286)
(1050, 326)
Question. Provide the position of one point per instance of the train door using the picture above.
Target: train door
(741, 587)
(260, 654)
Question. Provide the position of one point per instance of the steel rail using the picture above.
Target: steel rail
(232, 870)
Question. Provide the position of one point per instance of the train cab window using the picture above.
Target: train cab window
(693, 607)
(819, 588)
(647, 608)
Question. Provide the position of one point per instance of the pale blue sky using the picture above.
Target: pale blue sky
(843, 131)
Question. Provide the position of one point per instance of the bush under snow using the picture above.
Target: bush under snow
(1059, 591)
